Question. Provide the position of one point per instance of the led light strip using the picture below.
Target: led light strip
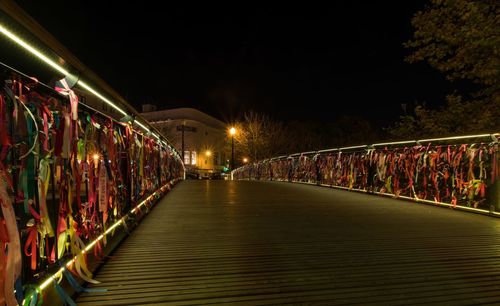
(496, 135)
(458, 137)
(327, 150)
(33, 51)
(59, 68)
(142, 125)
(65, 72)
(353, 147)
(87, 87)
(54, 276)
(394, 143)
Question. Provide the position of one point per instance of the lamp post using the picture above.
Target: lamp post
(232, 131)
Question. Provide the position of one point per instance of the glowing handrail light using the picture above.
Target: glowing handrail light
(458, 137)
(353, 147)
(33, 51)
(328, 150)
(95, 93)
(394, 143)
(142, 125)
(57, 67)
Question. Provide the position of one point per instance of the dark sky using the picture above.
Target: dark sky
(306, 62)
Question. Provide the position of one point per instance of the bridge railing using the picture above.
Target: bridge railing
(459, 172)
(70, 179)
(73, 179)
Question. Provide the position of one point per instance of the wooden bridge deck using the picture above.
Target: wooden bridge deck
(261, 243)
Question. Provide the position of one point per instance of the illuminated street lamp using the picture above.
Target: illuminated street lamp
(232, 131)
(245, 160)
(208, 153)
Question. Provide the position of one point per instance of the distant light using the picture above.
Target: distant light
(208, 153)
(245, 160)
(232, 131)
(96, 157)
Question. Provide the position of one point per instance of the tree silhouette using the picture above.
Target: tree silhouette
(460, 38)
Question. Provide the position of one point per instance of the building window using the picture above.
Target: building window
(193, 158)
(187, 154)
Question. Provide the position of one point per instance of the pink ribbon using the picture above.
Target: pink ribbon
(73, 98)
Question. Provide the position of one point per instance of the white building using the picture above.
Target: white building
(205, 137)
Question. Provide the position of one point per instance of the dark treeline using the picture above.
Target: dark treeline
(460, 38)
(260, 136)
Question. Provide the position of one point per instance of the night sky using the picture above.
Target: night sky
(294, 62)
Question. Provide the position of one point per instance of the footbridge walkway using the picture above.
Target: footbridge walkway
(263, 243)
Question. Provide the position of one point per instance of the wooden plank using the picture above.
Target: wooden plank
(265, 243)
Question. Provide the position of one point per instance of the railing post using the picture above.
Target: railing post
(494, 195)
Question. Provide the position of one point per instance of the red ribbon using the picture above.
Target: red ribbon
(4, 138)
(30, 245)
